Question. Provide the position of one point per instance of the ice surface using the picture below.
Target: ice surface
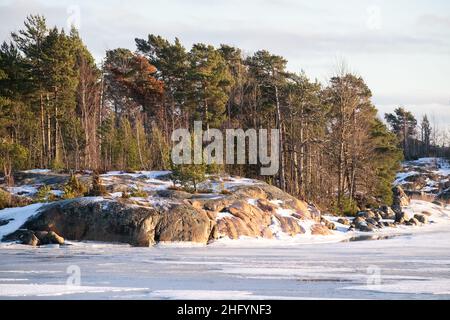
(409, 263)
(46, 290)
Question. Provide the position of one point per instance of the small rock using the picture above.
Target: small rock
(5, 222)
(28, 238)
(344, 221)
(421, 218)
(372, 221)
(401, 217)
(359, 222)
(387, 212)
(365, 228)
(413, 221)
(54, 238)
(330, 225)
(438, 203)
(319, 229)
(388, 224)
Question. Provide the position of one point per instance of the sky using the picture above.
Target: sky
(401, 48)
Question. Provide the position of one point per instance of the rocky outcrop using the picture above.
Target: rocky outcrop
(174, 216)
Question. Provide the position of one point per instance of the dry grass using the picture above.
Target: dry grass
(423, 197)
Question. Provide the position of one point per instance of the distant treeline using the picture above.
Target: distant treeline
(418, 139)
(60, 110)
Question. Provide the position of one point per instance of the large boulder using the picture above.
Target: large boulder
(387, 212)
(400, 197)
(181, 223)
(98, 220)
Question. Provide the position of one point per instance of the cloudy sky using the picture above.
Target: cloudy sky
(401, 48)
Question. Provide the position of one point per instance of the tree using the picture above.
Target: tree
(13, 156)
(211, 83)
(385, 161)
(426, 134)
(269, 73)
(350, 115)
(404, 125)
(172, 68)
(189, 175)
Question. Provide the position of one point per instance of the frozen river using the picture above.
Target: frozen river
(408, 266)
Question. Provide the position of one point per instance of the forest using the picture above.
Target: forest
(61, 109)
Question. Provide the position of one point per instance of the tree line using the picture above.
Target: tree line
(60, 110)
(418, 139)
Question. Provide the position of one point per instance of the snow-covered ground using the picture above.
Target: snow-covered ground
(426, 175)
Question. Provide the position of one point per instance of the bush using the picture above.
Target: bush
(189, 175)
(74, 188)
(214, 169)
(349, 207)
(5, 199)
(138, 193)
(8, 200)
(44, 194)
(97, 188)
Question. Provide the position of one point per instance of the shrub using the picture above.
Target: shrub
(97, 188)
(125, 195)
(5, 199)
(349, 207)
(189, 175)
(214, 169)
(74, 188)
(44, 194)
(138, 193)
(8, 200)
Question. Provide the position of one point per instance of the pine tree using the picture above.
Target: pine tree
(426, 134)
(404, 125)
(211, 82)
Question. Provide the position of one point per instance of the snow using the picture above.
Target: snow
(58, 193)
(19, 216)
(427, 286)
(224, 214)
(233, 182)
(23, 190)
(438, 166)
(402, 176)
(138, 174)
(38, 171)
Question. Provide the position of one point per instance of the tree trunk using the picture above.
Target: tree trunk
(282, 177)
